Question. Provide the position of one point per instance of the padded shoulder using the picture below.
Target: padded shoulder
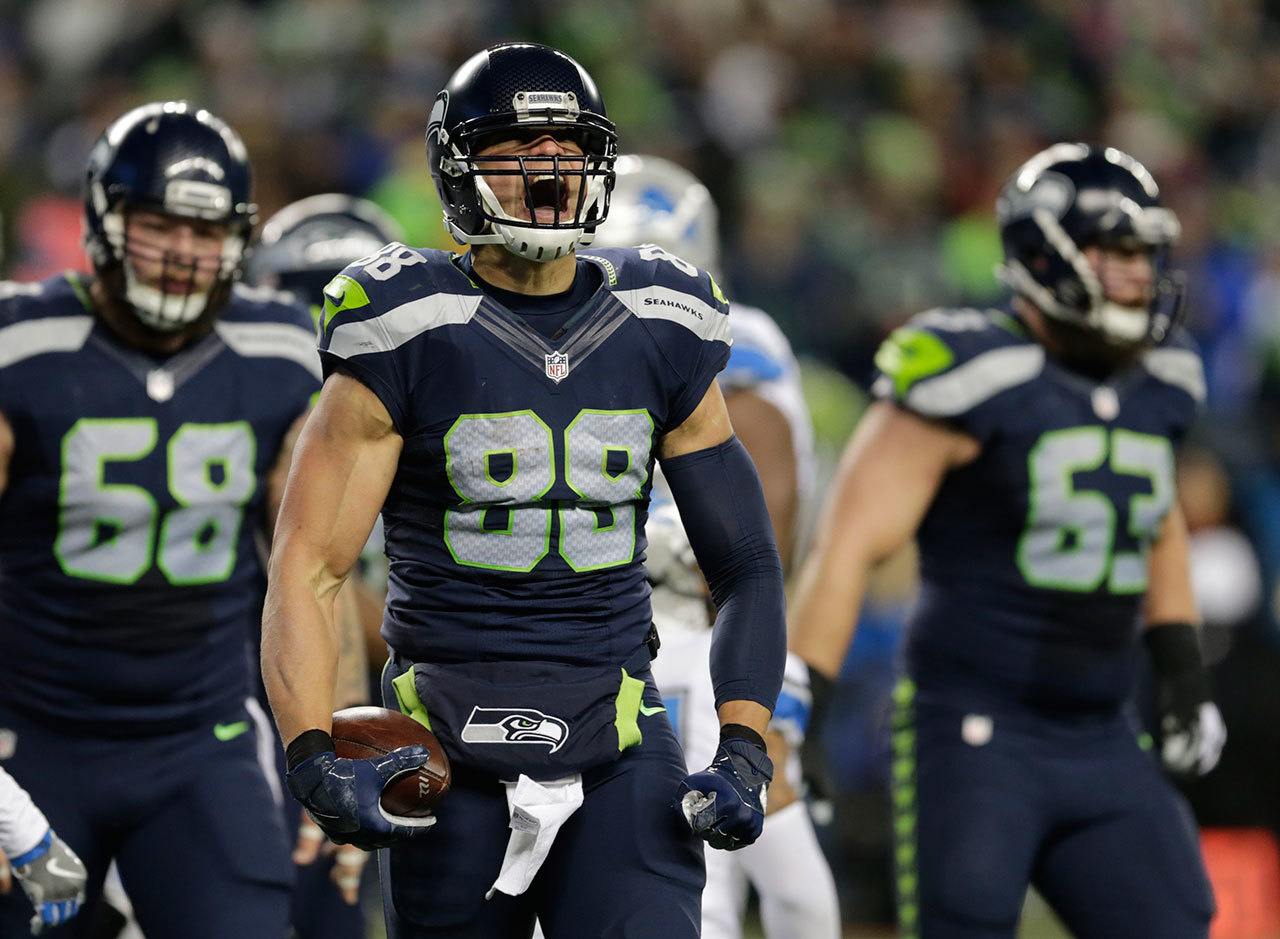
(38, 318)
(1176, 362)
(947, 363)
(657, 285)
(262, 323)
(761, 352)
(380, 302)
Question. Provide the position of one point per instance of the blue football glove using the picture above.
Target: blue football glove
(724, 804)
(343, 796)
(53, 878)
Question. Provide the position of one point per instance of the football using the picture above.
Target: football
(364, 732)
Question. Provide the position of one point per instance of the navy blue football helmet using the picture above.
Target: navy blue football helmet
(176, 159)
(510, 91)
(305, 244)
(1071, 196)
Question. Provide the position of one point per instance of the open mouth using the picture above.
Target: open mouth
(548, 199)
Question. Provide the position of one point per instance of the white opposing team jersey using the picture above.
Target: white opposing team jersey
(761, 361)
(22, 825)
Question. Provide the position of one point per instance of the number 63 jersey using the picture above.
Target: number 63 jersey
(515, 522)
(130, 569)
(1033, 558)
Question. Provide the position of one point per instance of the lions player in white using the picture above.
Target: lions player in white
(51, 874)
(656, 201)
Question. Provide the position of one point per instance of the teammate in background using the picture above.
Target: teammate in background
(143, 414)
(51, 875)
(1031, 453)
(301, 248)
(503, 410)
(657, 202)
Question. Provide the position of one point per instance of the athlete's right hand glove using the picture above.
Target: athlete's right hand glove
(724, 804)
(53, 878)
(344, 796)
(1191, 726)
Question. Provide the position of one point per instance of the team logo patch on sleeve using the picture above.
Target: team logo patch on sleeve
(514, 725)
(557, 366)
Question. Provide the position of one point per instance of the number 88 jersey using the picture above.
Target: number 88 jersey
(515, 522)
(1033, 558)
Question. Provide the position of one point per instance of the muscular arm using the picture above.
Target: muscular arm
(345, 460)
(709, 426)
(887, 478)
(353, 662)
(1169, 597)
(766, 433)
(6, 452)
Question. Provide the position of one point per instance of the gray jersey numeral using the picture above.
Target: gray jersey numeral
(501, 465)
(107, 531)
(1069, 542)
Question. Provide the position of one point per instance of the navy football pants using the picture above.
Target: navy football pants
(625, 865)
(190, 820)
(985, 804)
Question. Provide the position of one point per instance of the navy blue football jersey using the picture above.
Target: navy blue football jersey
(515, 522)
(1033, 558)
(130, 560)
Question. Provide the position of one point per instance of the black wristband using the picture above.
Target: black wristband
(821, 689)
(741, 732)
(1175, 657)
(1174, 647)
(307, 743)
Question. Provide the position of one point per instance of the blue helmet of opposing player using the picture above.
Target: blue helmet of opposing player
(518, 90)
(1071, 196)
(658, 202)
(175, 159)
(309, 241)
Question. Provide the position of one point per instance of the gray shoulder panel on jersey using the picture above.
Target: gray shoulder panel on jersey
(38, 337)
(397, 326)
(975, 381)
(272, 340)
(1179, 367)
(676, 306)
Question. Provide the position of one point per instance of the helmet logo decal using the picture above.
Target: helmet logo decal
(435, 123)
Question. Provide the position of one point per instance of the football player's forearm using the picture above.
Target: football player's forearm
(724, 513)
(825, 610)
(1169, 595)
(299, 651)
(6, 452)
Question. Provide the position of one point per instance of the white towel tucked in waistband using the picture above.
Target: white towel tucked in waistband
(537, 812)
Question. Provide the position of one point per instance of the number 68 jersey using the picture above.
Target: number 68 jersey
(1033, 558)
(130, 570)
(515, 522)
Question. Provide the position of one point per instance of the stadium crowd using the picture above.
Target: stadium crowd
(854, 149)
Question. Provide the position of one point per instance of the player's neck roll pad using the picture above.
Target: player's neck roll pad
(542, 720)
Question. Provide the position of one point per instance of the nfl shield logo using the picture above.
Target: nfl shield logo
(557, 366)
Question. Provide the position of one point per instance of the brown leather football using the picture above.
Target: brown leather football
(365, 732)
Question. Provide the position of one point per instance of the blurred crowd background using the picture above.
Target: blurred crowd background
(855, 150)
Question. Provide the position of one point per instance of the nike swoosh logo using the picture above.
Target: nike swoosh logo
(648, 711)
(69, 873)
(225, 732)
